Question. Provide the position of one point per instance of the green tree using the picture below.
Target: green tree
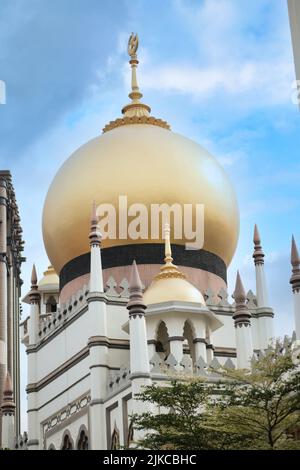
(255, 409)
(183, 417)
(262, 405)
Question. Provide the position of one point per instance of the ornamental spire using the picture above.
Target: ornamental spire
(295, 261)
(95, 235)
(135, 108)
(258, 254)
(241, 314)
(168, 269)
(135, 112)
(33, 276)
(135, 304)
(34, 295)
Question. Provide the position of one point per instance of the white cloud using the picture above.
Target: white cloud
(230, 61)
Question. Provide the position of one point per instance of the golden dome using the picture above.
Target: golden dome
(50, 278)
(172, 289)
(142, 159)
(170, 284)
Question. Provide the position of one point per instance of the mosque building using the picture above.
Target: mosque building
(111, 315)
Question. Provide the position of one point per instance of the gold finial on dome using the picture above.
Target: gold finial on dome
(170, 284)
(169, 269)
(135, 112)
(135, 108)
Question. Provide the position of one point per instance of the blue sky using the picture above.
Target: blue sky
(219, 71)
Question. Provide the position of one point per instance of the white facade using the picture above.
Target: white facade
(79, 379)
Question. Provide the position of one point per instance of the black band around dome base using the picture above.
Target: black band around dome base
(144, 253)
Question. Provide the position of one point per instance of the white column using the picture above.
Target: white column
(32, 413)
(176, 349)
(98, 344)
(261, 286)
(8, 430)
(295, 282)
(98, 383)
(265, 328)
(296, 299)
(34, 322)
(244, 348)
(139, 358)
(200, 348)
(96, 279)
(243, 334)
(209, 353)
(151, 348)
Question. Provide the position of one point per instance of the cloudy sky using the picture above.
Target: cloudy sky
(218, 72)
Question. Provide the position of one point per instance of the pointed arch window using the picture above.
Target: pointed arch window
(115, 440)
(51, 305)
(83, 441)
(67, 443)
(130, 434)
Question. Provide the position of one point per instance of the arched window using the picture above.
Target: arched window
(189, 335)
(130, 437)
(83, 441)
(51, 305)
(162, 340)
(115, 440)
(67, 443)
(51, 447)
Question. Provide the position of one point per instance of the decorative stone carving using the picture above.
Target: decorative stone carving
(209, 297)
(229, 364)
(156, 361)
(124, 284)
(186, 363)
(223, 295)
(111, 285)
(171, 362)
(251, 300)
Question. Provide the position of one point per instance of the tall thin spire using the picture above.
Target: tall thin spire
(242, 323)
(33, 276)
(168, 269)
(135, 112)
(135, 108)
(135, 305)
(95, 235)
(239, 291)
(258, 254)
(34, 295)
(295, 262)
(242, 314)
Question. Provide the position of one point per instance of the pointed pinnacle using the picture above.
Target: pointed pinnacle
(295, 260)
(258, 254)
(33, 276)
(8, 390)
(94, 218)
(135, 283)
(239, 294)
(256, 236)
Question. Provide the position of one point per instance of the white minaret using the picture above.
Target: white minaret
(139, 360)
(98, 343)
(8, 415)
(295, 281)
(264, 312)
(34, 299)
(34, 326)
(242, 323)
